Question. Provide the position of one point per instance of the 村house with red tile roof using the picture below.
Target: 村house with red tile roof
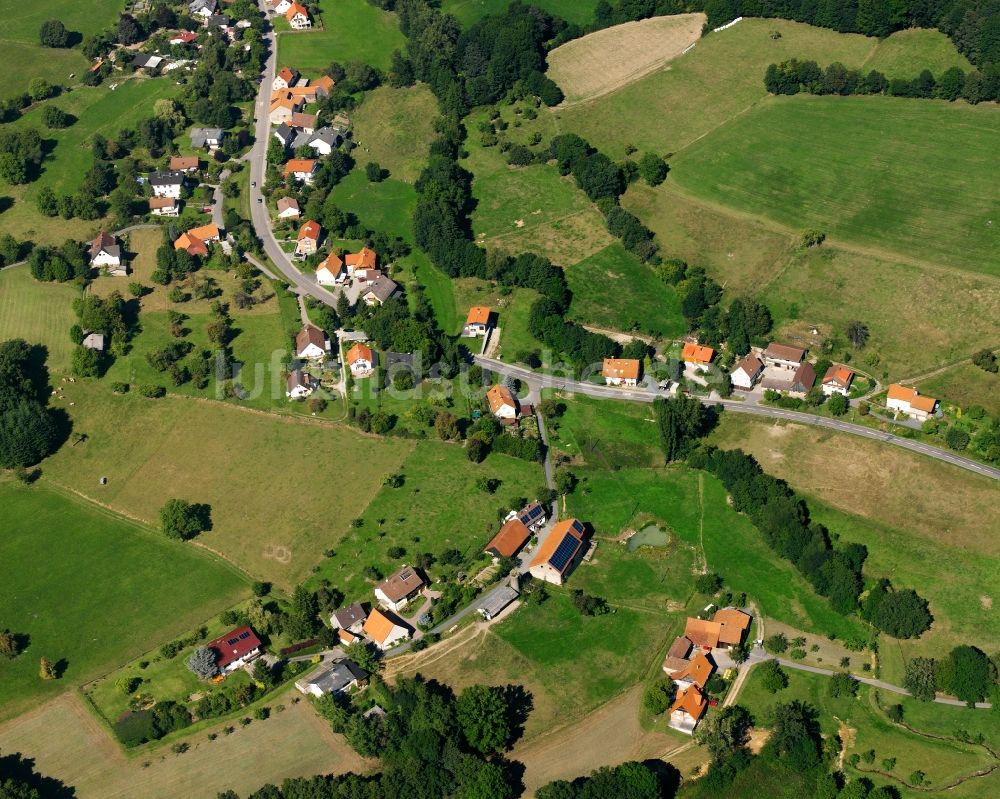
(235, 649)
(621, 371)
(478, 322)
(697, 355)
(910, 401)
(298, 17)
(837, 380)
(508, 542)
(559, 553)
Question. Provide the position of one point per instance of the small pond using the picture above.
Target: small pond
(648, 536)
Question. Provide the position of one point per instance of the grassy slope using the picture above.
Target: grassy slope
(917, 183)
(965, 385)
(40, 313)
(906, 52)
(105, 590)
(606, 435)
(395, 127)
(352, 30)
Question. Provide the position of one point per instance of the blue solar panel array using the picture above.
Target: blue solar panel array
(533, 514)
(560, 558)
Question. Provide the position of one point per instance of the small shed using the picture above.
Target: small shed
(497, 601)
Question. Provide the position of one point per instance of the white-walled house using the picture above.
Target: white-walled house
(503, 404)
(910, 402)
(311, 343)
(300, 384)
(167, 184)
(837, 380)
(298, 17)
(395, 592)
(621, 371)
(559, 553)
(104, 251)
(384, 630)
(330, 271)
(747, 372)
(361, 360)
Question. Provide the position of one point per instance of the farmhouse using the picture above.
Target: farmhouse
(478, 322)
(837, 380)
(508, 542)
(498, 599)
(503, 404)
(308, 239)
(385, 630)
(531, 516)
(331, 270)
(235, 649)
(191, 244)
(910, 402)
(285, 79)
(559, 553)
(696, 355)
(341, 676)
(621, 371)
(689, 706)
(288, 208)
(783, 357)
(677, 655)
(803, 380)
(206, 138)
(365, 258)
(167, 184)
(305, 121)
(702, 632)
(300, 384)
(381, 289)
(184, 163)
(352, 618)
(361, 360)
(395, 592)
(325, 140)
(298, 17)
(163, 206)
(734, 625)
(311, 343)
(104, 251)
(747, 372)
(301, 169)
(323, 85)
(695, 671)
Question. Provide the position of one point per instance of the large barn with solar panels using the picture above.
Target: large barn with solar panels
(560, 552)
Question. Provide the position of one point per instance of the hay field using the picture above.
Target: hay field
(40, 313)
(605, 60)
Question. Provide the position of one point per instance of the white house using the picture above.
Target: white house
(235, 649)
(288, 208)
(747, 372)
(340, 677)
(167, 184)
(280, 6)
(330, 271)
(301, 169)
(285, 79)
(360, 360)
(104, 251)
(163, 206)
(837, 380)
(384, 630)
(689, 706)
(503, 403)
(352, 618)
(395, 592)
(782, 356)
(299, 384)
(325, 140)
(202, 8)
(311, 343)
(380, 290)
(910, 401)
(559, 553)
(478, 322)
(621, 371)
(298, 17)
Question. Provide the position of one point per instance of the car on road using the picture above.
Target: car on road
(260, 199)
(253, 184)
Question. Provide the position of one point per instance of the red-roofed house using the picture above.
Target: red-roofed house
(301, 169)
(688, 708)
(837, 380)
(559, 552)
(308, 241)
(621, 371)
(235, 649)
(696, 355)
(298, 17)
(910, 401)
(285, 79)
(330, 271)
(503, 404)
(361, 360)
(365, 258)
(478, 322)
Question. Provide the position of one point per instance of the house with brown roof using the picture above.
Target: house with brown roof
(284, 79)
(361, 360)
(330, 271)
(911, 402)
(747, 372)
(559, 553)
(308, 238)
(311, 343)
(478, 322)
(380, 290)
(305, 122)
(365, 258)
(191, 244)
(734, 626)
(300, 384)
(104, 251)
(503, 404)
(288, 208)
(352, 618)
(235, 649)
(677, 655)
(803, 380)
(702, 632)
(783, 356)
(689, 706)
(324, 85)
(300, 169)
(184, 163)
(509, 540)
(837, 380)
(696, 355)
(163, 206)
(621, 371)
(385, 630)
(396, 591)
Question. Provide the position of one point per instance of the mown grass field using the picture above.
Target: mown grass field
(386, 207)
(965, 385)
(916, 184)
(40, 313)
(438, 507)
(352, 30)
(247, 465)
(394, 127)
(614, 289)
(606, 435)
(104, 590)
(68, 743)
(470, 11)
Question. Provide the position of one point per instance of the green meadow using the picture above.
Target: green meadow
(40, 313)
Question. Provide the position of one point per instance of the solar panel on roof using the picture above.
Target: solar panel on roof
(244, 636)
(232, 641)
(565, 550)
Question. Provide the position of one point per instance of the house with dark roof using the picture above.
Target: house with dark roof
(783, 356)
(299, 384)
(339, 677)
(747, 372)
(235, 649)
(352, 618)
(167, 184)
(381, 290)
(559, 553)
(202, 8)
(325, 140)
(496, 601)
(285, 134)
(104, 251)
(146, 61)
(396, 591)
(803, 379)
(311, 343)
(531, 516)
(207, 138)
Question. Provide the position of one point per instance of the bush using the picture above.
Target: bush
(842, 685)
(776, 644)
(152, 392)
(182, 520)
(772, 676)
(659, 695)
(119, 388)
(707, 583)
(956, 438)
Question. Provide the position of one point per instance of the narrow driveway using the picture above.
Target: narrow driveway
(640, 394)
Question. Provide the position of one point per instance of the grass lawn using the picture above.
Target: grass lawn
(470, 11)
(386, 206)
(907, 52)
(40, 313)
(438, 287)
(614, 289)
(965, 385)
(152, 450)
(437, 508)
(916, 183)
(352, 30)
(395, 127)
(514, 335)
(107, 591)
(606, 435)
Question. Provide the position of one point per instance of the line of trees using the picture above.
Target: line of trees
(966, 672)
(29, 431)
(794, 76)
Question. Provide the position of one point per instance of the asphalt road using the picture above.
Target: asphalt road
(537, 380)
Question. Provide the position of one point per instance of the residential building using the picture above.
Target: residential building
(559, 553)
(207, 138)
(910, 402)
(340, 677)
(508, 541)
(184, 163)
(325, 140)
(285, 133)
(621, 371)
(696, 356)
(104, 251)
(352, 618)
(783, 357)
(307, 122)
(311, 343)
(298, 17)
(696, 671)
(365, 258)
(202, 8)
(192, 245)
(734, 626)
(308, 239)
(531, 515)
(747, 372)
(300, 384)
(346, 637)
(803, 380)
(284, 79)
(677, 655)
(167, 184)
(703, 633)
(360, 360)
(498, 599)
(503, 404)
(330, 271)
(163, 206)
(146, 61)
(182, 37)
(288, 208)
(209, 232)
(478, 322)
(324, 85)
(235, 649)
(837, 380)
(301, 169)
(282, 107)
(380, 290)
(279, 6)
(219, 23)
(384, 629)
(689, 706)
(395, 591)
(306, 93)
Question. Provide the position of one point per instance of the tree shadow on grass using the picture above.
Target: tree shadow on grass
(22, 769)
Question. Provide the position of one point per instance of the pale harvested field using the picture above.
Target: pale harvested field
(603, 61)
(67, 743)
